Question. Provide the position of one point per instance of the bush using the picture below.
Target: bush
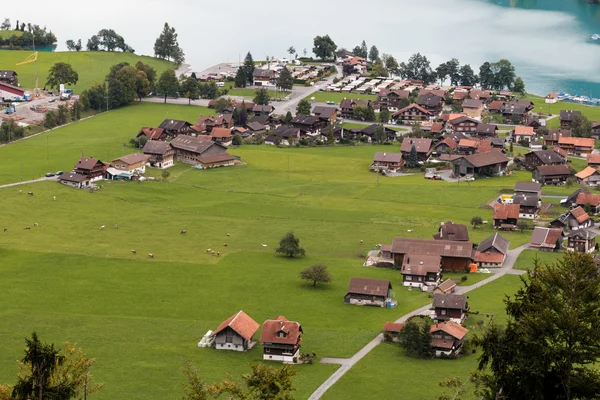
(464, 278)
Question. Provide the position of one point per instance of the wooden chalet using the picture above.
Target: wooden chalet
(576, 145)
(571, 200)
(134, 163)
(491, 252)
(161, 154)
(327, 114)
(567, 117)
(347, 107)
(281, 340)
(391, 330)
(447, 338)
(489, 164)
(421, 270)
(593, 160)
(473, 108)
(431, 102)
(445, 146)
(260, 109)
(582, 241)
(172, 128)
(530, 188)
(201, 151)
(529, 205)
(92, 168)
(506, 216)
(543, 157)
(551, 174)
(546, 239)
(589, 176)
(451, 231)
(9, 77)
(411, 114)
(236, 333)
(152, 133)
(496, 106)
(487, 130)
(392, 99)
(221, 135)
(584, 199)
(464, 124)
(450, 307)
(455, 256)
(263, 77)
(370, 292)
(384, 161)
(551, 139)
(75, 180)
(308, 123)
(423, 147)
(574, 220)
(370, 130)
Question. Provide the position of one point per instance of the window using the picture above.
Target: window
(408, 278)
(443, 312)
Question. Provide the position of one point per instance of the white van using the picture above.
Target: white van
(221, 84)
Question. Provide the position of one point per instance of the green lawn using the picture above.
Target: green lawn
(390, 374)
(322, 97)
(91, 66)
(591, 112)
(250, 93)
(527, 258)
(471, 278)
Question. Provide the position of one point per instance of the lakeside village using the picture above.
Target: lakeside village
(446, 134)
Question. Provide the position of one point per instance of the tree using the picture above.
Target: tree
(93, 43)
(285, 80)
(510, 148)
(165, 174)
(324, 47)
(142, 84)
(303, 107)
(370, 113)
(261, 97)
(76, 111)
(111, 40)
(70, 45)
(122, 83)
(518, 85)
(243, 114)
(391, 65)
(486, 76)
(194, 387)
(50, 119)
(167, 47)
(384, 115)
(168, 84)
(359, 112)
(417, 67)
(237, 140)
(467, 76)
(442, 72)
(453, 71)
(62, 115)
(556, 361)
(288, 117)
(380, 135)
(149, 71)
(240, 78)
(581, 126)
(189, 87)
(289, 245)
(61, 73)
(5, 25)
(223, 103)
(317, 273)
(330, 136)
(476, 221)
(413, 157)
(522, 225)
(504, 74)
(249, 68)
(357, 51)
(291, 50)
(78, 45)
(235, 116)
(364, 50)
(415, 339)
(373, 53)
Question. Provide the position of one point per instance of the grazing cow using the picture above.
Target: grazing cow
(102, 227)
(20, 192)
(151, 255)
(54, 198)
(133, 252)
(361, 242)
(228, 234)
(27, 228)
(224, 244)
(30, 193)
(218, 254)
(213, 253)
(35, 224)
(183, 232)
(116, 226)
(208, 250)
(5, 229)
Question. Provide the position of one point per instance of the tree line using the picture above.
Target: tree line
(29, 34)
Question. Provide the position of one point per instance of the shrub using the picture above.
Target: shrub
(464, 278)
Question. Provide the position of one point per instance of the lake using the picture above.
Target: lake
(547, 40)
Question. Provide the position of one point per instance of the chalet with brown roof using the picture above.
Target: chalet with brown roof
(75, 180)
(327, 114)
(308, 123)
(583, 199)
(236, 333)
(255, 128)
(451, 231)
(446, 145)
(460, 95)
(370, 292)
(437, 128)
(523, 133)
(574, 220)
(478, 94)
(447, 338)
(411, 113)
(221, 135)
(571, 200)
(347, 107)
(384, 161)
(543, 157)
(596, 129)
(281, 339)
(551, 174)
(455, 256)
(496, 106)
(576, 145)
(551, 139)
(134, 163)
(201, 152)
(473, 108)
(463, 124)
(392, 99)
(517, 109)
(487, 130)
(161, 154)
(431, 102)
(567, 117)
(593, 160)
(589, 176)
(172, 127)
(391, 330)
(423, 147)
(546, 239)
(491, 252)
(263, 77)
(450, 307)
(152, 133)
(506, 216)
(432, 90)
(92, 168)
(448, 286)
(582, 241)
(421, 270)
(206, 124)
(490, 163)
(9, 77)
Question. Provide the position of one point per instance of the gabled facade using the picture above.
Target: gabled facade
(281, 340)
(370, 292)
(412, 113)
(450, 307)
(447, 338)
(582, 241)
(92, 168)
(236, 333)
(421, 270)
(491, 252)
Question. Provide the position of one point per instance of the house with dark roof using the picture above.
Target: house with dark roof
(347, 107)
(9, 76)
(370, 292)
(260, 109)
(370, 130)
(75, 180)
(455, 256)
(506, 216)
(422, 146)
(543, 157)
(463, 124)
(447, 338)
(173, 127)
(392, 99)
(529, 205)
(490, 163)
(571, 200)
(431, 102)
(451, 231)
(411, 114)
(551, 174)
(201, 151)
(574, 220)
(236, 333)
(325, 113)
(161, 154)
(283, 135)
(384, 161)
(596, 129)
(551, 139)
(421, 270)
(531, 188)
(487, 130)
(92, 168)
(449, 307)
(445, 146)
(546, 239)
(309, 124)
(281, 339)
(582, 241)
(567, 117)
(517, 109)
(473, 108)
(263, 77)
(491, 252)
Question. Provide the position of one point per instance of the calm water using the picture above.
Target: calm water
(547, 40)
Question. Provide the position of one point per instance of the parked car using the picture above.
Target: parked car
(49, 175)
(331, 102)
(59, 173)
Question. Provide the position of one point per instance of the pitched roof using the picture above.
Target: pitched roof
(586, 173)
(451, 328)
(488, 158)
(452, 301)
(446, 285)
(450, 117)
(418, 264)
(292, 331)
(468, 143)
(452, 231)
(325, 112)
(580, 215)
(368, 286)
(555, 134)
(220, 132)
(583, 234)
(547, 170)
(387, 157)
(255, 126)
(496, 105)
(461, 119)
(429, 100)
(548, 156)
(263, 108)
(449, 142)
(133, 158)
(437, 127)
(506, 211)
(305, 119)
(588, 198)
(472, 103)
(192, 144)
(569, 115)
(483, 257)
(173, 124)
(528, 187)
(422, 145)
(545, 237)
(593, 158)
(151, 133)
(487, 129)
(72, 177)
(395, 327)
(577, 141)
(443, 248)
(241, 323)
(495, 241)
(87, 163)
(213, 158)
(521, 130)
(263, 73)
(410, 107)
(156, 147)
(526, 199)
(459, 94)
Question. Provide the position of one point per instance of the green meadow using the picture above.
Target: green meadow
(92, 67)
(591, 112)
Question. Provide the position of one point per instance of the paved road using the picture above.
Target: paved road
(42, 179)
(348, 363)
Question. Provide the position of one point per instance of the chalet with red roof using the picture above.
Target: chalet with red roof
(8, 91)
(546, 239)
(447, 338)
(423, 147)
(236, 333)
(281, 339)
(574, 220)
(152, 133)
(391, 330)
(491, 252)
(92, 168)
(506, 216)
(593, 200)
(412, 113)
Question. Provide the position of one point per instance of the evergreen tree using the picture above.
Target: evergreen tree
(240, 78)
(235, 116)
(384, 116)
(303, 107)
(373, 53)
(330, 137)
(261, 97)
(167, 47)
(413, 157)
(288, 118)
(249, 68)
(243, 114)
(519, 85)
(467, 76)
(364, 50)
(380, 135)
(285, 80)
(370, 113)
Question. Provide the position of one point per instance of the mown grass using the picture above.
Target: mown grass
(92, 67)
(322, 97)
(591, 112)
(527, 258)
(250, 93)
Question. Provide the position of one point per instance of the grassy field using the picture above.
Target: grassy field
(591, 112)
(8, 34)
(322, 97)
(527, 258)
(390, 374)
(91, 66)
(250, 93)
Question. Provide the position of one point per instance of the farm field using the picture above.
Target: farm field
(591, 112)
(390, 374)
(92, 67)
(322, 97)
(249, 93)
(527, 258)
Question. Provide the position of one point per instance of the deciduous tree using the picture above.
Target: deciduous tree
(289, 246)
(370, 113)
(189, 88)
(486, 76)
(93, 43)
(291, 50)
(261, 97)
(149, 71)
(303, 107)
(467, 76)
(391, 65)
(384, 116)
(581, 126)
(476, 221)
(373, 53)
(168, 84)
(5, 25)
(417, 67)
(518, 85)
(324, 47)
(61, 73)
(380, 135)
(316, 273)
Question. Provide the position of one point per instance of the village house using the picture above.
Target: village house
(384, 161)
(490, 163)
(447, 338)
(596, 129)
(281, 339)
(571, 200)
(283, 135)
(455, 256)
(451, 231)
(370, 292)
(221, 135)
(9, 76)
(327, 114)
(263, 77)
(506, 216)
(593, 160)
(423, 147)
(10, 91)
(552, 98)
(473, 108)
(74, 180)
(260, 109)
(529, 188)
(459, 95)
(496, 106)
(551, 139)
(347, 107)
(448, 286)
(561, 153)
(437, 129)
(201, 152)
(133, 163)
(370, 130)
(472, 146)
(392, 99)
(536, 145)
(206, 124)
(551, 174)
(529, 205)
(478, 94)
(411, 114)
(567, 117)
(449, 307)
(447, 145)
(546, 239)
(585, 199)
(589, 176)
(543, 157)
(307, 123)
(172, 128)
(574, 220)
(491, 252)
(355, 65)
(582, 241)
(431, 102)
(487, 130)
(161, 154)
(92, 168)
(433, 90)
(255, 128)
(576, 145)
(236, 333)
(523, 133)
(517, 110)
(464, 124)
(152, 133)
(391, 330)
(421, 271)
